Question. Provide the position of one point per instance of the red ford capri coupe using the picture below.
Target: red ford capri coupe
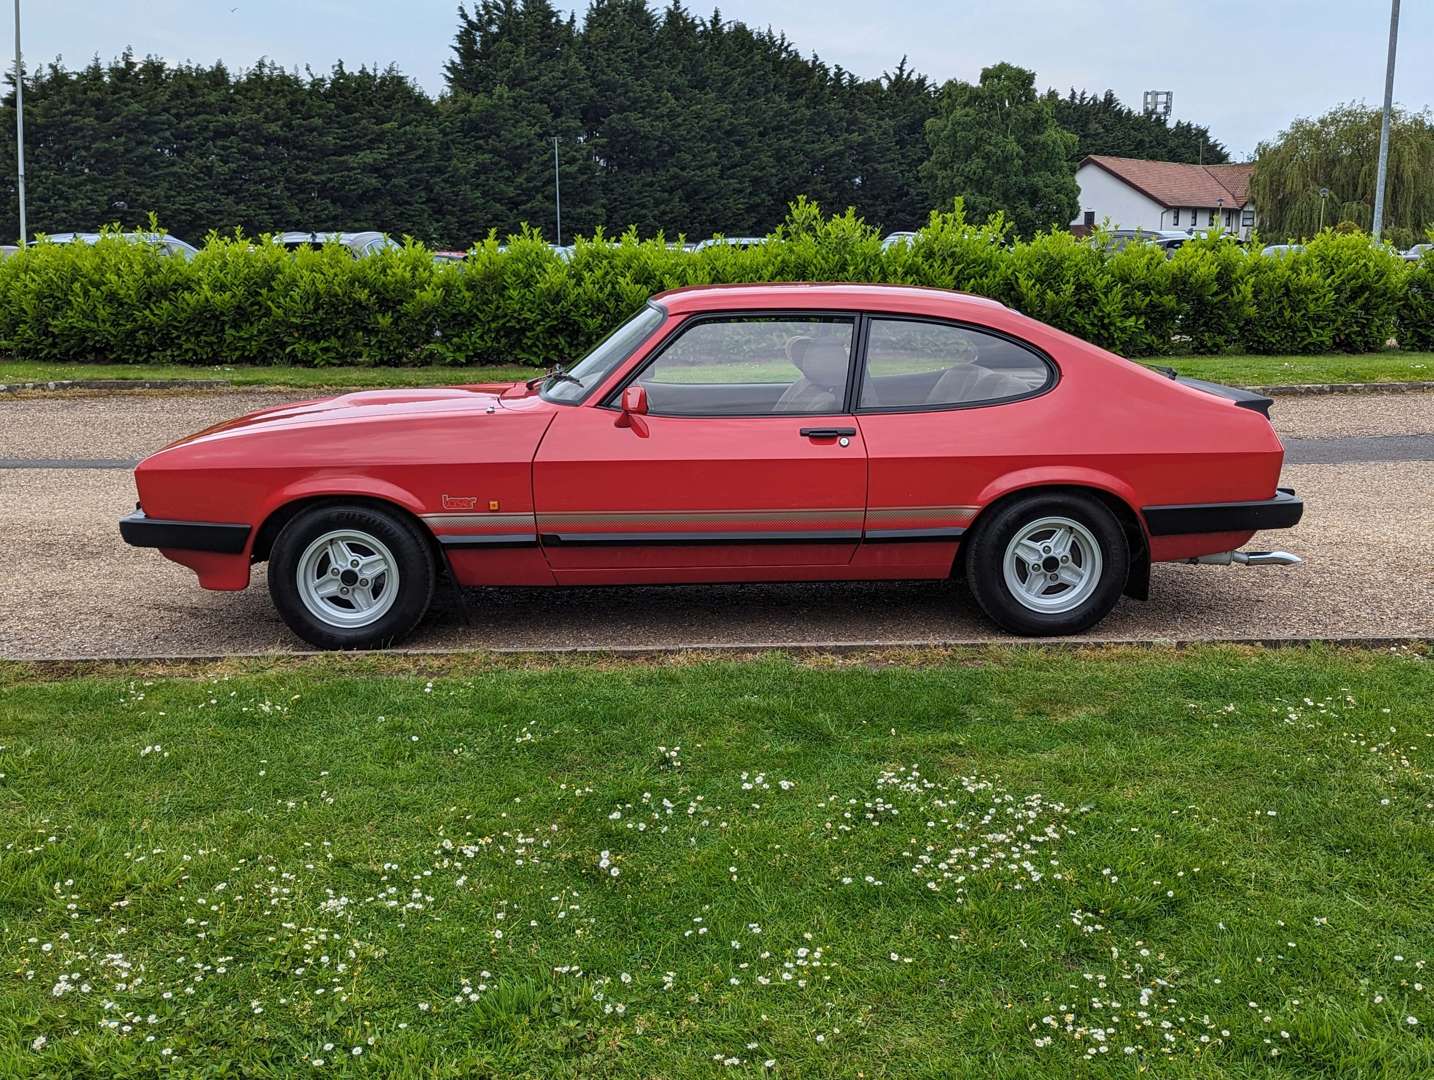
(736, 434)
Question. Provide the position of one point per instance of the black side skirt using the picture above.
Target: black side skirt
(1281, 512)
(141, 531)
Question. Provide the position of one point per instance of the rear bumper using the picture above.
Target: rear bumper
(141, 531)
(1282, 512)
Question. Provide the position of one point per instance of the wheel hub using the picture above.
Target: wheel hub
(347, 578)
(1052, 565)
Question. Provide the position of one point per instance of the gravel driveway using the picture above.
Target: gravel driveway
(69, 587)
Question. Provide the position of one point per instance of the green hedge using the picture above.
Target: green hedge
(240, 302)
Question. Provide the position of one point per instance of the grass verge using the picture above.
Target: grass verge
(1012, 863)
(1389, 366)
(278, 376)
(1235, 370)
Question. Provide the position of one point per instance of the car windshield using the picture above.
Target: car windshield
(613, 350)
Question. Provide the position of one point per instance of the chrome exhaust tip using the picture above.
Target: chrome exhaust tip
(1248, 558)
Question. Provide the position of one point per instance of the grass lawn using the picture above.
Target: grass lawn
(989, 863)
(1389, 366)
(12, 371)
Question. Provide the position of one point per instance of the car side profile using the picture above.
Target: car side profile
(162, 242)
(750, 433)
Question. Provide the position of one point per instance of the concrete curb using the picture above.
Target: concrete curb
(1305, 389)
(57, 385)
(221, 386)
(747, 649)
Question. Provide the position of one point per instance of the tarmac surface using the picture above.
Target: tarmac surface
(69, 587)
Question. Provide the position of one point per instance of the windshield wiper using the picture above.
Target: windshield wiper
(557, 374)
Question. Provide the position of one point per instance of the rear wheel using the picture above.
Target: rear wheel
(1048, 563)
(351, 577)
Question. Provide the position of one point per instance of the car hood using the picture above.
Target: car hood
(361, 406)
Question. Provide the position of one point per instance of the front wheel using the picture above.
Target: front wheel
(1052, 563)
(351, 577)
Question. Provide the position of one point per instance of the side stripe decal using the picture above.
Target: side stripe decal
(891, 524)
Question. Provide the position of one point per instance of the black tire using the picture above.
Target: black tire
(409, 549)
(985, 566)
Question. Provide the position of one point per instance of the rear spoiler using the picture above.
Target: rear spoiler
(1245, 399)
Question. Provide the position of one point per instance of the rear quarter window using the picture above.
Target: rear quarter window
(923, 364)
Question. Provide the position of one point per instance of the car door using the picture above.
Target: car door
(944, 408)
(747, 458)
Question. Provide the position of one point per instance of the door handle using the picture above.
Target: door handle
(826, 432)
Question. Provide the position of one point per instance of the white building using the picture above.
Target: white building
(1134, 194)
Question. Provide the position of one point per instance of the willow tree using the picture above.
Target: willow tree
(1338, 153)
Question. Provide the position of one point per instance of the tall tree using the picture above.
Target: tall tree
(997, 145)
(1338, 152)
(1103, 125)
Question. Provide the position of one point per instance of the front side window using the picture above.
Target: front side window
(1177, 215)
(753, 366)
(574, 385)
(914, 364)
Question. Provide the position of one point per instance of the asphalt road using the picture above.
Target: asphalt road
(69, 587)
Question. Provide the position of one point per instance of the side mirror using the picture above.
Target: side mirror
(634, 400)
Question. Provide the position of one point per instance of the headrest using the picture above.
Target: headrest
(822, 362)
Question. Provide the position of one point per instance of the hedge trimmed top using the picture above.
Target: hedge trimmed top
(243, 303)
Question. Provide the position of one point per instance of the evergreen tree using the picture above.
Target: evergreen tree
(1102, 125)
(998, 146)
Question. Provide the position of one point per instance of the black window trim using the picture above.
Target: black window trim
(613, 401)
(1053, 371)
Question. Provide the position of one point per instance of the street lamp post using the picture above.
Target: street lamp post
(557, 192)
(20, 123)
(1382, 171)
(1323, 198)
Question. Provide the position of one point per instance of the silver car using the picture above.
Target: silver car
(167, 245)
(359, 244)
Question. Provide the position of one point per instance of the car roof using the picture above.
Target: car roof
(320, 236)
(817, 295)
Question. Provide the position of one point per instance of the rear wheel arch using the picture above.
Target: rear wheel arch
(1137, 583)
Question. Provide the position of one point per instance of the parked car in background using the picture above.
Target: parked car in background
(1281, 249)
(449, 256)
(892, 239)
(738, 433)
(6, 250)
(358, 243)
(167, 245)
(1168, 240)
(731, 241)
(1417, 252)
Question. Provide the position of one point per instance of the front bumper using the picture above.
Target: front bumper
(1282, 512)
(141, 531)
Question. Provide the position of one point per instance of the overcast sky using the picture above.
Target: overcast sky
(1243, 68)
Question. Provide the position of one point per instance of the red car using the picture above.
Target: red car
(737, 433)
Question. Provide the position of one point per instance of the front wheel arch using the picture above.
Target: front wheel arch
(1137, 582)
(281, 515)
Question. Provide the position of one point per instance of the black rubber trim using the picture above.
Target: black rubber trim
(1281, 512)
(141, 531)
(674, 539)
(1245, 399)
(889, 536)
(495, 540)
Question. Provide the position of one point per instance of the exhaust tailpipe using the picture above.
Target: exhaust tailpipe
(1248, 558)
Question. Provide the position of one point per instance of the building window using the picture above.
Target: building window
(1211, 222)
(1247, 218)
(1090, 219)
(1177, 216)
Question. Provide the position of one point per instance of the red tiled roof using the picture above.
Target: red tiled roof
(1174, 183)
